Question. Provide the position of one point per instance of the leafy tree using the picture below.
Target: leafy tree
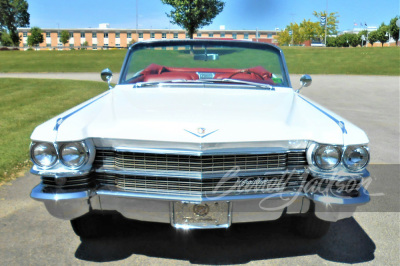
(193, 14)
(36, 36)
(393, 29)
(284, 38)
(13, 14)
(309, 29)
(132, 42)
(382, 33)
(5, 39)
(342, 40)
(331, 42)
(354, 39)
(64, 37)
(331, 23)
(373, 37)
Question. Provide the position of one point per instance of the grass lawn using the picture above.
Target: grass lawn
(300, 60)
(24, 104)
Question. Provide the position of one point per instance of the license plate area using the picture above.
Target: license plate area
(201, 215)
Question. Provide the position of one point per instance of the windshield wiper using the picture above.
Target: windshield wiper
(227, 80)
(156, 83)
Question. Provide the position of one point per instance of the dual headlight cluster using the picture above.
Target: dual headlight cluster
(71, 154)
(327, 157)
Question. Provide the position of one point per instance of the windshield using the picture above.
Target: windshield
(197, 61)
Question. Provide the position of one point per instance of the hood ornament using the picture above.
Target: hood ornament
(201, 132)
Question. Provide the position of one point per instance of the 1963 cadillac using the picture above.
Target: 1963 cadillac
(200, 134)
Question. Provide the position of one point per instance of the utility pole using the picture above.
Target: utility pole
(326, 21)
(137, 35)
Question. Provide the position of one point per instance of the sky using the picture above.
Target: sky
(237, 14)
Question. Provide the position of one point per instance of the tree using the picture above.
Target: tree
(342, 40)
(331, 42)
(372, 37)
(354, 39)
(309, 29)
(193, 14)
(331, 23)
(382, 33)
(36, 36)
(284, 38)
(5, 39)
(64, 37)
(393, 29)
(13, 14)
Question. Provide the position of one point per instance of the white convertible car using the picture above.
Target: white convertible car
(200, 134)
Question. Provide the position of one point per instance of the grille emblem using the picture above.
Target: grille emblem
(201, 209)
(201, 132)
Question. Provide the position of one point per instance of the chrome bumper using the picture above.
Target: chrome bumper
(157, 208)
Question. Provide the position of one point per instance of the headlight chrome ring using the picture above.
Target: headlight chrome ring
(327, 157)
(356, 158)
(44, 154)
(74, 154)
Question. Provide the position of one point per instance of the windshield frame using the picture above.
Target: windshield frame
(199, 42)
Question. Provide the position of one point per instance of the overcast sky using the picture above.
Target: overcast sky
(237, 14)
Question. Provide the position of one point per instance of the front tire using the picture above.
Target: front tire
(311, 227)
(91, 225)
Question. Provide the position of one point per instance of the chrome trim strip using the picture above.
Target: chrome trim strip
(59, 173)
(201, 136)
(339, 123)
(196, 175)
(62, 119)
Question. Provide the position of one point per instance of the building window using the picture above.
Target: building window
(25, 34)
(164, 35)
(258, 35)
(118, 45)
(211, 35)
(117, 35)
(58, 34)
(152, 35)
(48, 34)
(198, 34)
(187, 36)
(82, 35)
(175, 35)
(94, 34)
(94, 46)
(48, 44)
(222, 34)
(141, 35)
(129, 35)
(269, 35)
(105, 35)
(71, 35)
(234, 35)
(71, 45)
(246, 35)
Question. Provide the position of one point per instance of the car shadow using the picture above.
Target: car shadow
(345, 242)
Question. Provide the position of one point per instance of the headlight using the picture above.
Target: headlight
(327, 157)
(74, 154)
(43, 154)
(355, 157)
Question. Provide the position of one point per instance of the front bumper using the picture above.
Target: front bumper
(158, 208)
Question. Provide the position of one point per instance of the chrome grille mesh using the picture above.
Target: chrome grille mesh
(202, 187)
(202, 164)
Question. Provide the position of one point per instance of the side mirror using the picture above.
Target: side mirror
(106, 75)
(305, 81)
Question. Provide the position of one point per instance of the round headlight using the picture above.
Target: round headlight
(43, 154)
(327, 157)
(355, 157)
(73, 154)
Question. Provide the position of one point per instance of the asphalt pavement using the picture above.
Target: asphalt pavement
(29, 235)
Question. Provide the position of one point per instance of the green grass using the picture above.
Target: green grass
(24, 104)
(300, 60)
(355, 61)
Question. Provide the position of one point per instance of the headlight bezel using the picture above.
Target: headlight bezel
(354, 147)
(34, 159)
(82, 145)
(341, 166)
(326, 146)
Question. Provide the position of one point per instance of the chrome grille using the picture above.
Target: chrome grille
(203, 187)
(116, 160)
(68, 182)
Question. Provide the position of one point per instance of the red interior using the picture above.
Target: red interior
(156, 73)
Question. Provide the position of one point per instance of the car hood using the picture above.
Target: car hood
(197, 115)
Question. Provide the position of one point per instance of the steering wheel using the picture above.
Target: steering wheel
(247, 71)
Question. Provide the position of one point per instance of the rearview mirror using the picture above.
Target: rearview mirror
(106, 75)
(305, 81)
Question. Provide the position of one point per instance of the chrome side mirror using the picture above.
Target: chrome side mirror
(106, 75)
(305, 81)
